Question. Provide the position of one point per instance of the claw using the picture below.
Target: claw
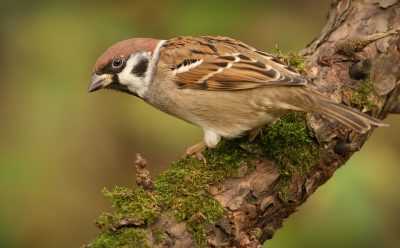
(197, 151)
(254, 133)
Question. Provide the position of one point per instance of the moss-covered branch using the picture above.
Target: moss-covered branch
(184, 190)
(246, 189)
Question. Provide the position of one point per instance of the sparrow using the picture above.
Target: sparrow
(220, 84)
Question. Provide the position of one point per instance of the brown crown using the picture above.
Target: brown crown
(124, 49)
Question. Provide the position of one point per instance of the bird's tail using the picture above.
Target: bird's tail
(349, 117)
(314, 102)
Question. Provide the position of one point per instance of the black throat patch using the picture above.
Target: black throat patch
(116, 85)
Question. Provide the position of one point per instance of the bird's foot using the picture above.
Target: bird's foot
(254, 133)
(197, 151)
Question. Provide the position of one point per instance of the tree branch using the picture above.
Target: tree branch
(246, 190)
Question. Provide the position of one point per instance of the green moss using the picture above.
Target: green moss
(290, 144)
(124, 238)
(293, 60)
(284, 192)
(183, 188)
(136, 206)
(206, 211)
(159, 236)
(257, 232)
(363, 97)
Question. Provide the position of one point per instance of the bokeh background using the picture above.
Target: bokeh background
(59, 146)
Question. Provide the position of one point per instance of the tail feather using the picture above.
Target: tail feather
(349, 117)
(311, 101)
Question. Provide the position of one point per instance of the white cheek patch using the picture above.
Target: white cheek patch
(135, 83)
(126, 77)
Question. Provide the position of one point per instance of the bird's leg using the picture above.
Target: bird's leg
(254, 133)
(197, 151)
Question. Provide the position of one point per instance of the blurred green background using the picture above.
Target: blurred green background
(60, 146)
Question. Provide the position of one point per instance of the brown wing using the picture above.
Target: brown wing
(220, 63)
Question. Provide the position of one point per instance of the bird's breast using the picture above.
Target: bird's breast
(229, 114)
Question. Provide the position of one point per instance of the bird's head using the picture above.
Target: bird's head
(127, 66)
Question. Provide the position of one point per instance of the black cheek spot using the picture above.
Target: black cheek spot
(140, 68)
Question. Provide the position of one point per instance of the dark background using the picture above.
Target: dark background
(59, 146)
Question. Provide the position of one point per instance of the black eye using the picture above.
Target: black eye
(117, 63)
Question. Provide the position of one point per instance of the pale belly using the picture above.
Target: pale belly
(228, 114)
(228, 121)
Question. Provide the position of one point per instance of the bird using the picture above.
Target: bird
(222, 85)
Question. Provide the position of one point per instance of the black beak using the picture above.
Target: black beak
(99, 82)
(108, 81)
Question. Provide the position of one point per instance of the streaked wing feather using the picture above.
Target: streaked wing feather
(226, 64)
(219, 74)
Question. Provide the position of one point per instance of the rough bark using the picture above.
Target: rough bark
(356, 61)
